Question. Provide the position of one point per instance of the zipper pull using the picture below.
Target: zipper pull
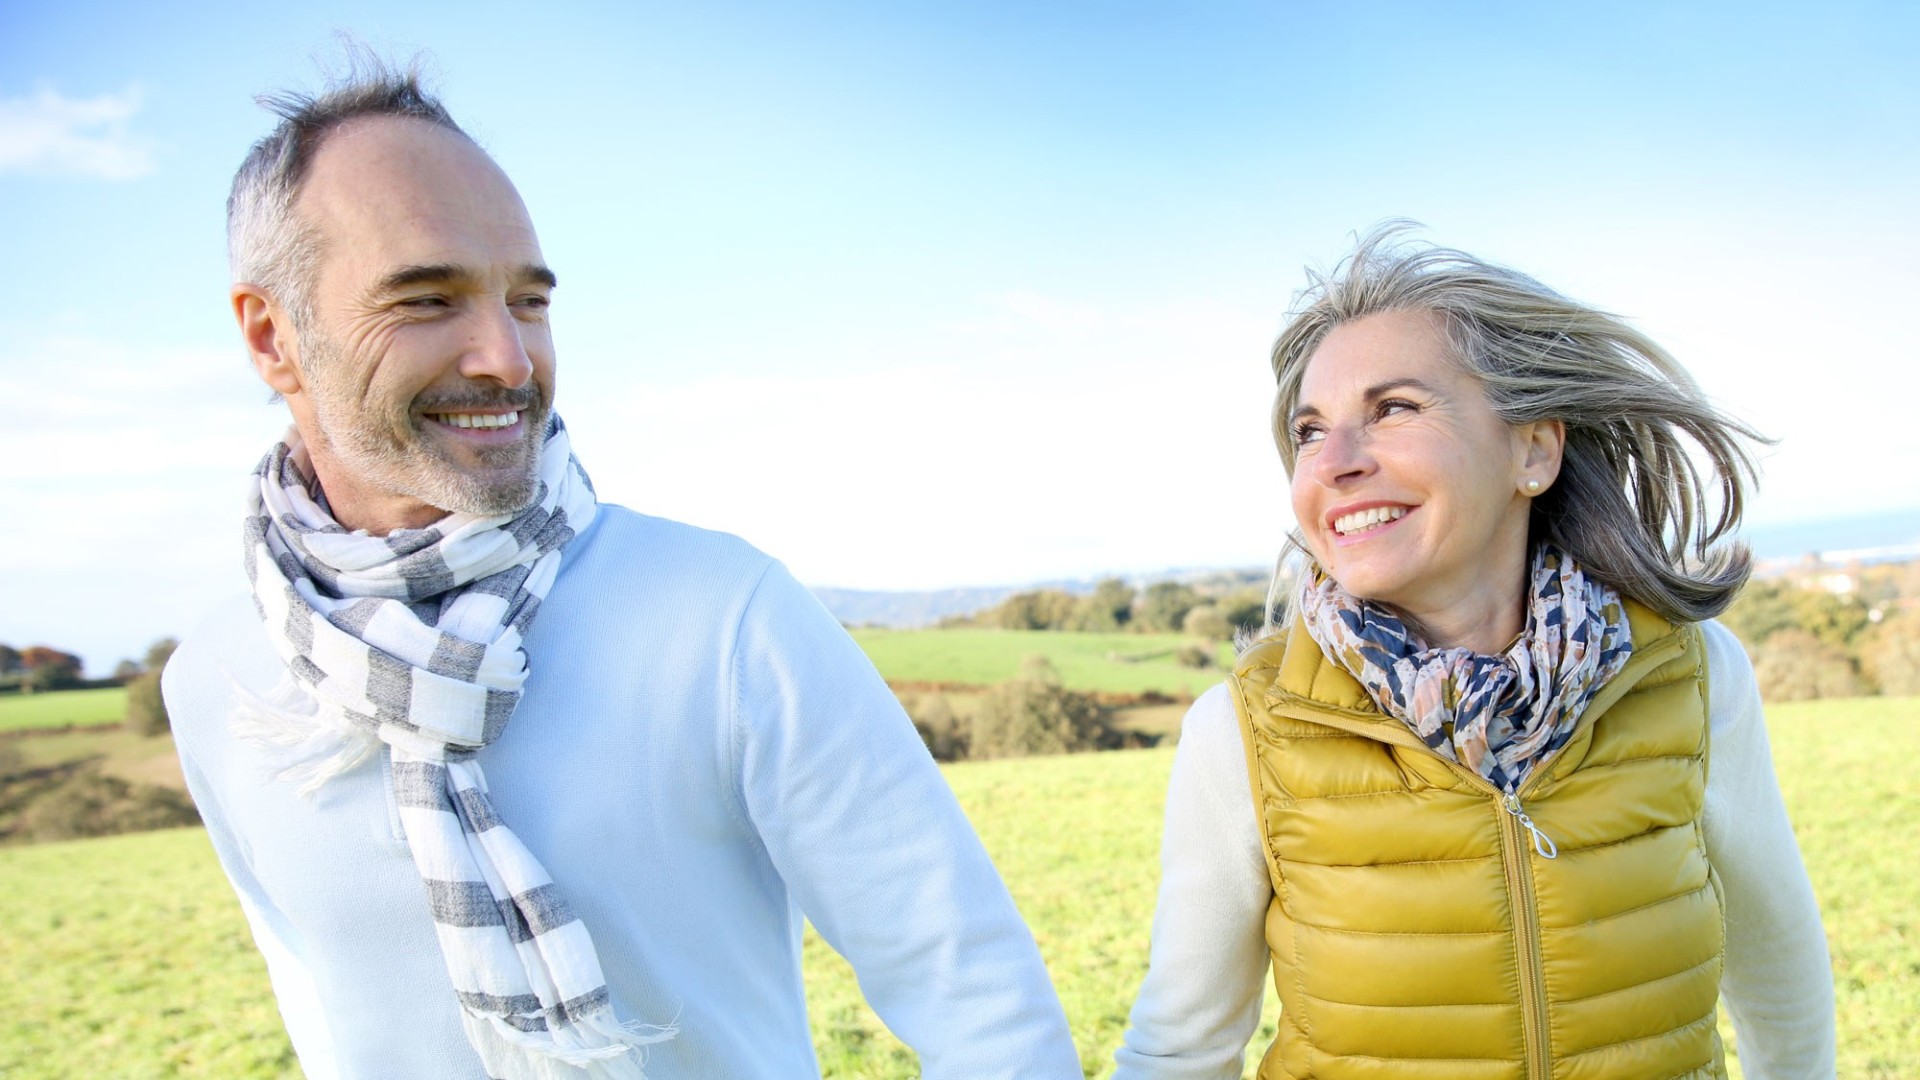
(1542, 843)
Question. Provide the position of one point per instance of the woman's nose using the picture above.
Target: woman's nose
(1341, 457)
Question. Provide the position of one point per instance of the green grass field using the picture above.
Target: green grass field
(107, 705)
(127, 956)
(1123, 663)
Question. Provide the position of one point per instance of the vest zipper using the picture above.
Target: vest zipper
(1533, 995)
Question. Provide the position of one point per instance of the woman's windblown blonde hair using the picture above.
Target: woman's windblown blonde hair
(1653, 478)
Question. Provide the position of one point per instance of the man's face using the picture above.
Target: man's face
(427, 373)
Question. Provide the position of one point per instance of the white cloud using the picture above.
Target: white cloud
(49, 134)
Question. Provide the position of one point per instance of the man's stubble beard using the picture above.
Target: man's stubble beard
(396, 454)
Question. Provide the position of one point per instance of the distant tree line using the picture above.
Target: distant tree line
(42, 668)
(1161, 608)
(1808, 641)
(37, 668)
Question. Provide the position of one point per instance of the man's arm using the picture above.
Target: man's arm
(867, 835)
(190, 690)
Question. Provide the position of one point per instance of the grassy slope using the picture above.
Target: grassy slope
(107, 705)
(1846, 770)
(127, 957)
(139, 758)
(96, 937)
(1131, 663)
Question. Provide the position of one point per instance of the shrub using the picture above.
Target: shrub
(89, 803)
(1039, 609)
(160, 652)
(1194, 654)
(1244, 609)
(1033, 714)
(1794, 665)
(1765, 608)
(943, 731)
(1163, 605)
(1207, 622)
(146, 710)
(1108, 607)
(1891, 654)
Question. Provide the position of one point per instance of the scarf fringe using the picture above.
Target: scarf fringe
(605, 1049)
(288, 727)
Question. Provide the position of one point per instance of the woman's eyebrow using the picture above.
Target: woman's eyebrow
(1372, 394)
(1380, 390)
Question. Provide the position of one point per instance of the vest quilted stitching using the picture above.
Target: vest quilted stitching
(1397, 928)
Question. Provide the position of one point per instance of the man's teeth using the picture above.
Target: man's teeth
(478, 420)
(1367, 519)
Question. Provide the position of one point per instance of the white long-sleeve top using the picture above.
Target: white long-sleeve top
(701, 757)
(1200, 1001)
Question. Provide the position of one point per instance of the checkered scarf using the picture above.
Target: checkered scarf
(1497, 715)
(414, 640)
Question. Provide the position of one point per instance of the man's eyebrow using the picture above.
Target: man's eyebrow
(1372, 394)
(428, 274)
(452, 274)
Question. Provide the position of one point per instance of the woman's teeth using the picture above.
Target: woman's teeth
(477, 420)
(1361, 520)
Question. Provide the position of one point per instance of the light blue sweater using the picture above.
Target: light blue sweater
(702, 755)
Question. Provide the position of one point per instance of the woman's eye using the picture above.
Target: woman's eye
(1307, 433)
(1390, 406)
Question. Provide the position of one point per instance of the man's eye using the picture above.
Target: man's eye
(424, 302)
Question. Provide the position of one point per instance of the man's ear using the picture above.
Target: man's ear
(269, 336)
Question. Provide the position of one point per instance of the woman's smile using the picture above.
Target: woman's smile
(1351, 526)
(1407, 484)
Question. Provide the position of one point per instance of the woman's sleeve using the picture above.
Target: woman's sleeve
(1200, 1001)
(1778, 982)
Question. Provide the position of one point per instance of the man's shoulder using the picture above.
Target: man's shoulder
(638, 539)
(230, 628)
(227, 650)
(662, 564)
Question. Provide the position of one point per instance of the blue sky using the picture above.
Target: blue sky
(915, 295)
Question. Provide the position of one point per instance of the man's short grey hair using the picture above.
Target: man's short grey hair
(267, 244)
(1644, 449)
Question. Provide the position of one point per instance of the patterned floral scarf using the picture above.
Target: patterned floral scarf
(1497, 715)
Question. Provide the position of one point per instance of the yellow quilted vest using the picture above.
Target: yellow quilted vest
(1415, 929)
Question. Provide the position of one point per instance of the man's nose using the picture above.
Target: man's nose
(495, 350)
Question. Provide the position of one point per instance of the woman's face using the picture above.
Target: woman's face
(1407, 485)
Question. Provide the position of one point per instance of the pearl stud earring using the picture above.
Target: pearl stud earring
(1533, 487)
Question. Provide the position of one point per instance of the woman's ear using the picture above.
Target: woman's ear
(1542, 443)
(269, 336)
